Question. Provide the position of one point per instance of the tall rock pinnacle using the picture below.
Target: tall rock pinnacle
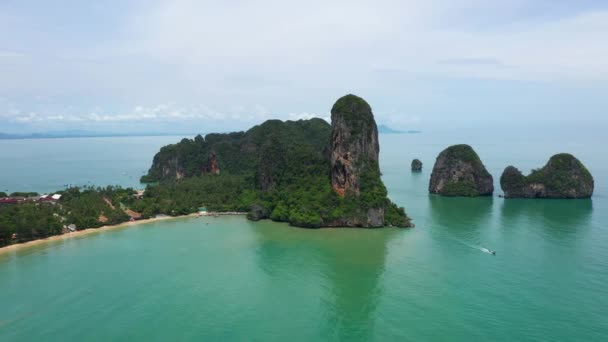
(354, 143)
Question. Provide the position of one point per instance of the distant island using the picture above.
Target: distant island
(384, 129)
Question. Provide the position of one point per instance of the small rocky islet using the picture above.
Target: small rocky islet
(458, 171)
(416, 165)
(563, 177)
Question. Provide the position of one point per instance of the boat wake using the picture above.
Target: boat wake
(485, 250)
(477, 247)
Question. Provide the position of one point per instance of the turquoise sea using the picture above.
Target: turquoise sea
(235, 280)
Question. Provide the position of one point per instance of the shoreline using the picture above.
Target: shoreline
(88, 231)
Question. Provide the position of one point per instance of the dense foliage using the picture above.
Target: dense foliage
(464, 153)
(563, 176)
(28, 222)
(458, 171)
(464, 188)
(85, 208)
(512, 178)
(92, 208)
(240, 153)
(557, 174)
(356, 113)
(277, 170)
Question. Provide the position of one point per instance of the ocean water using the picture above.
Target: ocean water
(230, 279)
(47, 165)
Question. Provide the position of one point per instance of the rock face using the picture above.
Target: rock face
(261, 151)
(416, 165)
(355, 172)
(307, 172)
(458, 171)
(211, 167)
(354, 143)
(563, 176)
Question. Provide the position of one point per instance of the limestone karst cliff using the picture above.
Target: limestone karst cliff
(458, 171)
(305, 172)
(563, 176)
(354, 143)
(355, 171)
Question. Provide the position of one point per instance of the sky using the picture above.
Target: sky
(205, 66)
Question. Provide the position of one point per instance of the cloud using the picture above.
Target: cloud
(249, 61)
(333, 37)
(168, 112)
(28, 118)
(473, 61)
(308, 116)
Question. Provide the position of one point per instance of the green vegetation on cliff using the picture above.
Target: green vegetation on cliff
(464, 153)
(458, 171)
(557, 174)
(356, 112)
(563, 176)
(277, 170)
(465, 188)
(263, 148)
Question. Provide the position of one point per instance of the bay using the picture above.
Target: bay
(230, 279)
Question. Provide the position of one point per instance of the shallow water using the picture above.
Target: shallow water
(237, 280)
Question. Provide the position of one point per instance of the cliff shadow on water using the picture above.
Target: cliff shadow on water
(556, 217)
(345, 265)
(460, 212)
(462, 219)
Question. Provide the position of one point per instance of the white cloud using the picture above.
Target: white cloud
(28, 118)
(308, 116)
(292, 38)
(168, 112)
(248, 61)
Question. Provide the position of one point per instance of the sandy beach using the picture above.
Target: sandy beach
(84, 232)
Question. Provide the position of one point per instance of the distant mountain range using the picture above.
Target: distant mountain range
(384, 129)
(82, 134)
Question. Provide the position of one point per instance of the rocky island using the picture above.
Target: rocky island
(563, 176)
(416, 165)
(458, 171)
(305, 172)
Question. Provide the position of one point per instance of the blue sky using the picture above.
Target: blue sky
(202, 66)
